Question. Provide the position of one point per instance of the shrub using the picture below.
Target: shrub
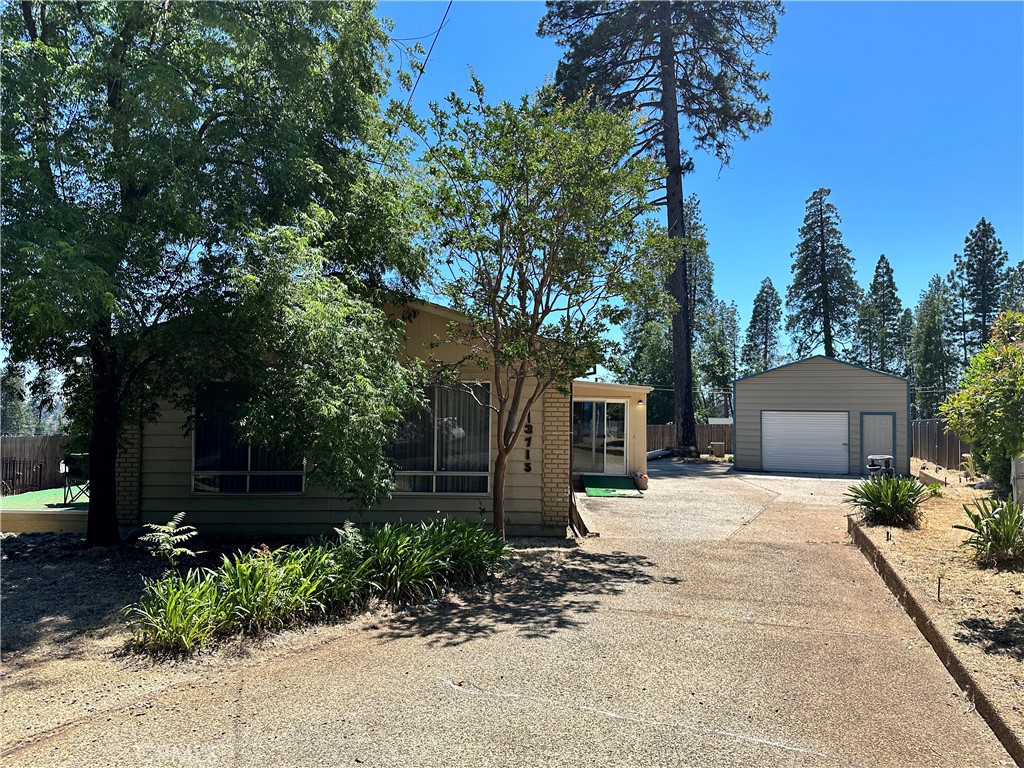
(176, 613)
(888, 500)
(166, 540)
(263, 590)
(997, 531)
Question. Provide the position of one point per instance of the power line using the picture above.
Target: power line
(415, 85)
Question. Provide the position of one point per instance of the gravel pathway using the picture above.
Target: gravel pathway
(723, 620)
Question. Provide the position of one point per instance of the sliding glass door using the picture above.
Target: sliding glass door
(599, 437)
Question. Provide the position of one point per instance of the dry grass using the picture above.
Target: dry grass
(982, 609)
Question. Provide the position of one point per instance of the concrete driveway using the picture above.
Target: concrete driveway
(723, 620)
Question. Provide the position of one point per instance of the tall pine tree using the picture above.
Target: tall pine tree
(934, 351)
(680, 63)
(822, 299)
(761, 345)
(960, 311)
(1013, 290)
(985, 275)
(877, 341)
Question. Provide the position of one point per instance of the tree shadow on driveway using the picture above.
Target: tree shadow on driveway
(547, 589)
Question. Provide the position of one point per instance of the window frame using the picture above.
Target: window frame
(247, 473)
(436, 473)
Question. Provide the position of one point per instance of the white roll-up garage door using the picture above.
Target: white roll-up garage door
(805, 441)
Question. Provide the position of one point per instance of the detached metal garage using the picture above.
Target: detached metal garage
(821, 416)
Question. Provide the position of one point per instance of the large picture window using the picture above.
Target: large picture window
(446, 447)
(223, 464)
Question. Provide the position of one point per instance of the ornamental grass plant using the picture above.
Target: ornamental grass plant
(266, 590)
(889, 500)
(997, 532)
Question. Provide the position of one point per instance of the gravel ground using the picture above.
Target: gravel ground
(723, 620)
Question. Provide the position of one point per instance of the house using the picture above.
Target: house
(821, 416)
(444, 457)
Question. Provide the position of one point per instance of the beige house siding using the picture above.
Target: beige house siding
(820, 384)
(636, 416)
(534, 492)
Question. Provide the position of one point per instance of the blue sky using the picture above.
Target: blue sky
(912, 113)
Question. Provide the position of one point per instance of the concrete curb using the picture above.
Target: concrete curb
(947, 655)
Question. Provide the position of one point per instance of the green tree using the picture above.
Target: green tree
(649, 362)
(988, 407)
(822, 299)
(533, 212)
(761, 344)
(718, 357)
(984, 262)
(678, 62)
(1013, 291)
(960, 313)
(878, 338)
(934, 357)
(15, 411)
(147, 147)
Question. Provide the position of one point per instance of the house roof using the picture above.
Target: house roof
(827, 359)
(608, 389)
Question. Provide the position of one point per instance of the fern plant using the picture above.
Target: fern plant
(997, 531)
(166, 540)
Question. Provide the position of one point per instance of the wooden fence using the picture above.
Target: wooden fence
(930, 441)
(664, 436)
(35, 450)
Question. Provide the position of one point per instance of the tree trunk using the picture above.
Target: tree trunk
(679, 283)
(498, 493)
(102, 527)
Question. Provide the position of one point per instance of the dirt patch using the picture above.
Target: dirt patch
(64, 637)
(980, 609)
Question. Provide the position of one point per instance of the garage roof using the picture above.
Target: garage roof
(821, 357)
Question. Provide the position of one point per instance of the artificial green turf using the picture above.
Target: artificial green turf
(602, 485)
(50, 499)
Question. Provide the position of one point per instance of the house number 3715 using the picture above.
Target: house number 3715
(528, 431)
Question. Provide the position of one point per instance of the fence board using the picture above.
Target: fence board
(47, 450)
(664, 436)
(931, 442)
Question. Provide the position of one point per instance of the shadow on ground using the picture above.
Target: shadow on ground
(549, 589)
(994, 636)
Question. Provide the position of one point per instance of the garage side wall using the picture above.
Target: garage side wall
(819, 384)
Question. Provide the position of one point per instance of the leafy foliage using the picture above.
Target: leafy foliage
(823, 297)
(145, 146)
(761, 343)
(886, 500)
(265, 590)
(532, 209)
(988, 409)
(997, 531)
(167, 539)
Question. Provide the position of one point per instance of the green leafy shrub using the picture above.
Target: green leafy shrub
(265, 590)
(997, 531)
(177, 614)
(166, 540)
(888, 500)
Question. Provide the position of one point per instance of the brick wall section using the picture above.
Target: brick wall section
(129, 474)
(557, 436)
